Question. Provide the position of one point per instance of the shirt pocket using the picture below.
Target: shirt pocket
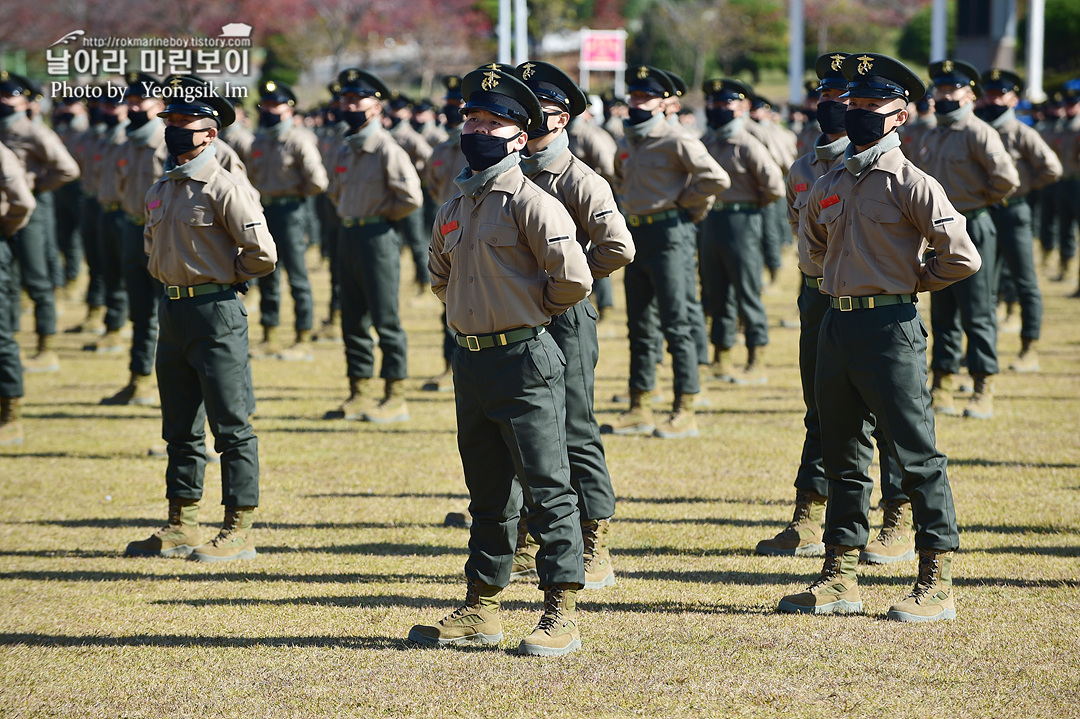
(500, 251)
(196, 216)
(155, 212)
(831, 214)
(451, 240)
(878, 224)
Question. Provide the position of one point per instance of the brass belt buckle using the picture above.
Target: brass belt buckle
(849, 307)
(819, 281)
(173, 292)
(634, 220)
(473, 343)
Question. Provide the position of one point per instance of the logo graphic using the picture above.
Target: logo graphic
(866, 63)
(836, 60)
(235, 29)
(69, 38)
(643, 72)
(947, 66)
(490, 81)
(528, 71)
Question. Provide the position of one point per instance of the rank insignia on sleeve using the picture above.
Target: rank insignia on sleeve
(250, 225)
(801, 187)
(449, 227)
(830, 201)
(557, 240)
(942, 221)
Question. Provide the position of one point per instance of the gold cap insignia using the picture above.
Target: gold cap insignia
(353, 76)
(493, 66)
(643, 72)
(132, 78)
(995, 75)
(4, 75)
(528, 71)
(836, 60)
(491, 80)
(866, 63)
(717, 84)
(947, 66)
(453, 82)
(176, 81)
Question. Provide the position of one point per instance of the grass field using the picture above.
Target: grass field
(352, 553)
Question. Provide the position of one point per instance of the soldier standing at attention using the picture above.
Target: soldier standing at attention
(16, 205)
(868, 224)
(140, 163)
(731, 259)
(505, 260)
(969, 159)
(47, 165)
(412, 227)
(920, 123)
(602, 234)
(285, 168)
(206, 237)
(70, 121)
(1038, 167)
(665, 179)
(802, 536)
(374, 183)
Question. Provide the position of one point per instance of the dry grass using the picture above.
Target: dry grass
(353, 552)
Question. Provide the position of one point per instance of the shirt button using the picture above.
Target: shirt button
(854, 192)
(474, 214)
(470, 312)
(846, 253)
(842, 284)
(470, 278)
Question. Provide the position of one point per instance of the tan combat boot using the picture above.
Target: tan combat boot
(476, 621)
(895, 542)
(722, 368)
(234, 541)
(931, 600)
(110, 343)
(178, 538)
(802, 536)
(681, 422)
(10, 427)
(835, 591)
(524, 567)
(361, 398)
(45, 359)
(1028, 359)
(754, 371)
(94, 324)
(330, 330)
(636, 420)
(1065, 271)
(981, 404)
(300, 351)
(598, 570)
(1009, 323)
(557, 633)
(392, 407)
(941, 399)
(442, 383)
(269, 347)
(139, 391)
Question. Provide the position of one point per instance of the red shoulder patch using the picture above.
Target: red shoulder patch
(97, 158)
(624, 155)
(437, 163)
(340, 168)
(801, 187)
(829, 201)
(256, 153)
(449, 227)
(152, 204)
(121, 162)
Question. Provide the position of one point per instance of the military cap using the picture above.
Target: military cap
(956, 73)
(12, 84)
(758, 102)
(141, 84)
(550, 83)
(423, 105)
(678, 83)
(650, 80)
(502, 94)
(880, 76)
(726, 89)
(274, 91)
(829, 71)
(191, 95)
(355, 81)
(107, 96)
(335, 89)
(811, 87)
(1072, 91)
(500, 66)
(1002, 80)
(452, 83)
(399, 100)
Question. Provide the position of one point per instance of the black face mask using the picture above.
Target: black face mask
(830, 116)
(332, 117)
(418, 126)
(719, 116)
(179, 140)
(6, 110)
(268, 119)
(944, 107)
(137, 119)
(543, 130)
(990, 112)
(484, 151)
(110, 120)
(355, 120)
(453, 115)
(96, 115)
(865, 127)
(394, 121)
(63, 119)
(638, 116)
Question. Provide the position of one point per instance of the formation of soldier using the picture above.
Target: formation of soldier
(516, 199)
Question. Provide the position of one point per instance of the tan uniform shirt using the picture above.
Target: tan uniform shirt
(800, 180)
(47, 162)
(807, 136)
(445, 164)
(588, 199)
(665, 170)
(329, 141)
(782, 142)
(507, 258)
(755, 176)
(433, 133)
(593, 146)
(969, 159)
(1066, 143)
(289, 167)
(1036, 162)
(413, 143)
(86, 146)
(913, 133)
(240, 139)
(206, 228)
(230, 159)
(869, 233)
(379, 180)
(17, 201)
(138, 167)
(108, 187)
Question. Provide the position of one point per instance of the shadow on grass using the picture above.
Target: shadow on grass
(344, 425)
(1018, 529)
(702, 500)
(123, 522)
(377, 548)
(1041, 551)
(80, 455)
(186, 640)
(982, 462)
(149, 414)
(390, 495)
(244, 577)
(722, 521)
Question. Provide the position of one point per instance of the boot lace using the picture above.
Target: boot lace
(890, 526)
(829, 571)
(929, 566)
(522, 535)
(590, 536)
(552, 617)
